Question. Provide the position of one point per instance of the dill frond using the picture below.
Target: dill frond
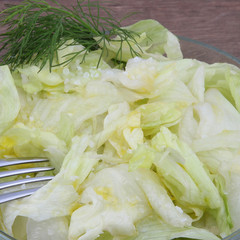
(36, 30)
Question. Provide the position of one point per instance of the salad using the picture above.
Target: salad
(146, 147)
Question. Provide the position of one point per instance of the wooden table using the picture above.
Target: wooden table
(215, 22)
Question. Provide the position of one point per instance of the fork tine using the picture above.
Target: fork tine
(234, 236)
(17, 161)
(6, 197)
(25, 181)
(24, 171)
(4, 236)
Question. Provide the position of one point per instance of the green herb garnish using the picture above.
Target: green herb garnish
(36, 30)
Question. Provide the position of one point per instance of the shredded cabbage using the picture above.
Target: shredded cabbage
(151, 151)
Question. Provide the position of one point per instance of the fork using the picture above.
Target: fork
(6, 197)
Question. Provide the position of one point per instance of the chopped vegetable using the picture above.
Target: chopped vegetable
(149, 150)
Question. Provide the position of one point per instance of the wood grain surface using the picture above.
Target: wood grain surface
(215, 22)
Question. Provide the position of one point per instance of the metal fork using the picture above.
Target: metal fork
(6, 197)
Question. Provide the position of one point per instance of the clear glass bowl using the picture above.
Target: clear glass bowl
(206, 53)
(203, 52)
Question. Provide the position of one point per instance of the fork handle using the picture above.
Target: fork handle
(4, 236)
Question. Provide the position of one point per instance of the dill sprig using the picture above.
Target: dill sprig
(36, 30)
